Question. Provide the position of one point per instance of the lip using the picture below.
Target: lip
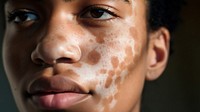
(57, 93)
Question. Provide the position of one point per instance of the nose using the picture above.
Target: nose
(60, 41)
(50, 52)
(57, 45)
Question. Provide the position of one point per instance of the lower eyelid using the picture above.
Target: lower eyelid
(99, 23)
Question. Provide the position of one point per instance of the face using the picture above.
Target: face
(76, 55)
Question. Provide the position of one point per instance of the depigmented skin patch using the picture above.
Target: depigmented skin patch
(93, 57)
(107, 102)
(107, 64)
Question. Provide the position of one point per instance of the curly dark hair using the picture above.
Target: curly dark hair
(164, 13)
(160, 13)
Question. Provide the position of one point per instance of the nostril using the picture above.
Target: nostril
(48, 53)
(64, 60)
(39, 61)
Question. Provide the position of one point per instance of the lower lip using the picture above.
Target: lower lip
(58, 101)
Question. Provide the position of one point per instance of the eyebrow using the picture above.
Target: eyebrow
(68, 0)
(127, 1)
(74, 0)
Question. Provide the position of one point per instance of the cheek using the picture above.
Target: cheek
(12, 57)
(116, 56)
(16, 57)
(140, 38)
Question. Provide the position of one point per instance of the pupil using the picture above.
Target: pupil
(96, 13)
(23, 17)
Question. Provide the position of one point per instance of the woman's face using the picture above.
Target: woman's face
(76, 55)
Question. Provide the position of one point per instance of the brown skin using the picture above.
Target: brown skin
(106, 60)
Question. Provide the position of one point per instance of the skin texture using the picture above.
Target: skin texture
(65, 53)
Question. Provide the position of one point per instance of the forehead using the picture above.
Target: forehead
(79, 3)
(116, 4)
(126, 1)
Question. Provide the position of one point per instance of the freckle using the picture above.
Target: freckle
(100, 40)
(109, 79)
(91, 40)
(93, 57)
(115, 62)
(78, 65)
(103, 71)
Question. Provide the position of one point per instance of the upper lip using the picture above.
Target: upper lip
(55, 84)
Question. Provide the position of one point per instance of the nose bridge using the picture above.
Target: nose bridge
(59, 21)
(58, 44)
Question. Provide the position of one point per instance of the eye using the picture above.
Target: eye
(22, 16)
(98, 13)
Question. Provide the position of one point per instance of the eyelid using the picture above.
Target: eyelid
(13, 14)
(105, 8)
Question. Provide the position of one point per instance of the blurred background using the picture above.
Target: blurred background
(177, 90)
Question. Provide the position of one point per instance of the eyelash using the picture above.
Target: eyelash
(22, 12)
(99, 8)
(104, 10)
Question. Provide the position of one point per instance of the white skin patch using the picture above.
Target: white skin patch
(116, 42)
(113, 103)
(129, 20)
(90, 73)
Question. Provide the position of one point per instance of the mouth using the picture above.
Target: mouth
(57, 93)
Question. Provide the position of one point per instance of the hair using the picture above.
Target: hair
(160, 13)
(164, 13)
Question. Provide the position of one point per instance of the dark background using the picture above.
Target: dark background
(177, 90)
